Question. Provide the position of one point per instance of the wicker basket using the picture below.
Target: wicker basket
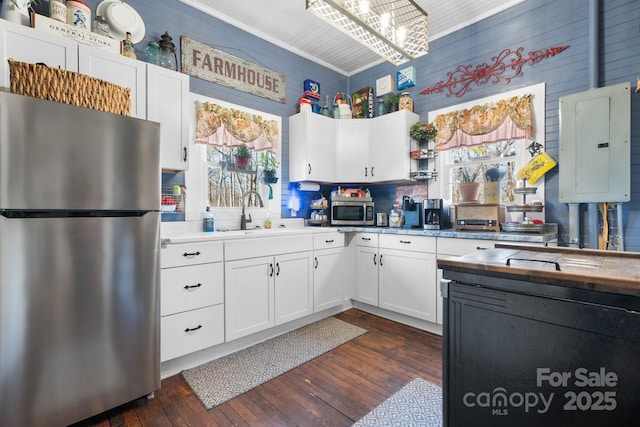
(55, 84)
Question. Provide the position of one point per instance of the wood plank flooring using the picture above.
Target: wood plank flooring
(335, 389)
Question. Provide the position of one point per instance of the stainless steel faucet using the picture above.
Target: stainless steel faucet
(243, 219)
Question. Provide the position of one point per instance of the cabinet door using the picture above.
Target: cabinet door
(249, 296)
(391, 146)
(367, 275)
(293, 286)
(328, 278)
(353, 148)
(407, 283)
(312, 148)
(117, 69)
(29, 45)
(167, 103)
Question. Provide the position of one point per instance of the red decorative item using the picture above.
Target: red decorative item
(498, 72)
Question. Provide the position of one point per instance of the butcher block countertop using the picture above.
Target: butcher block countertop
(602, 271)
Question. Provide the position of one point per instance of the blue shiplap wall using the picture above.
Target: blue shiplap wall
(532, 24)
(539, 24)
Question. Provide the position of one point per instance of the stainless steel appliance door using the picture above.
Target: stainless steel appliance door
(79, 316)
(58, 156)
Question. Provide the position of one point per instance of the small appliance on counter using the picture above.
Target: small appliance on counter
(412, 214)
(352, 211)
(435, 214)
(478, 216)
(382, 219)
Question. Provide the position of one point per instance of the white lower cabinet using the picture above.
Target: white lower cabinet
(397, 273)
(267, 290)
(367, 258)
(191, 298)
(329, 283)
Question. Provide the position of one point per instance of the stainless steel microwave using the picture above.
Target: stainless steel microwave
(352, 212)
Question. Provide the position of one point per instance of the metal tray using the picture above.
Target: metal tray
(525, 190)
(525, 208)
(524, 228)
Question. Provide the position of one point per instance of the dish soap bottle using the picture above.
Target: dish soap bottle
(267, 221)
(396, 217)
(207, 221)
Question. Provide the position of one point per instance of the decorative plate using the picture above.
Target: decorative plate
(122, 19)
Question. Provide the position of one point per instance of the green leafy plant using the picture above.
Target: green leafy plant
(391, 99)
(268, 163)
(242, 151)
(422, 131)
(29, 4)
(472, 176)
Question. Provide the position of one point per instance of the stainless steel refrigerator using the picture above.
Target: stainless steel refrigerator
(79, 261)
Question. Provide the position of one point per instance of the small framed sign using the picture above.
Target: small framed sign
(384, 85)
(406, 78)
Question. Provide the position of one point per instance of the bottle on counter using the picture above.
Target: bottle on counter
(207, 221)
(267, 221)
(396, 217)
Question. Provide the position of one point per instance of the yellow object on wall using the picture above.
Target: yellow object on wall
(538, 166)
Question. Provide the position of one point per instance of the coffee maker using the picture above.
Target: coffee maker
(412, 213)
(435, 214)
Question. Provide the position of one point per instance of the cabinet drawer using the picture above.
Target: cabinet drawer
(367, 239)
(408, 243)
(459, 247)
(187, 288)
(181, 254)
(267, 246)
(329, 240)
(191, 331)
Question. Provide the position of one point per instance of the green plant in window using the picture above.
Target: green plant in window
(470, 176)
(268, 163)
(242, 151)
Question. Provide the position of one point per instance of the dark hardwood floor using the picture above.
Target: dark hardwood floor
(335, 389)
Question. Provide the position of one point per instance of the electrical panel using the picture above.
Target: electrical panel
(595, 145)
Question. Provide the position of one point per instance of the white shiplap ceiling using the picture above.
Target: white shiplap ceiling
(286, 23)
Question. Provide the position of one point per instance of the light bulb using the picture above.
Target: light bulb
(401, 35)
(364, 7)
(385, 19)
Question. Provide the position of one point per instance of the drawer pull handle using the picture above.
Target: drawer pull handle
(329, 241)
(193, 329)
(408, 242)
(557, 265)
(366, 238)
(187, 287)
(190, 254)
(480, 248)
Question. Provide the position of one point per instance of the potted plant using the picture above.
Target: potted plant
(391, 101)
(468, 186)
(269, 165)
(423, 131)
(242, 156)
(17, 11)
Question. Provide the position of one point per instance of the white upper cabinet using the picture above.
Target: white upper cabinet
(312, 148)
(353, 141)
(28, 45)
(167, 103)
(390, 147)
(118, 69)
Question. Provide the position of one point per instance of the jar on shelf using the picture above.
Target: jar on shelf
(405, 102)
(79, 14)
(152, 53)
(101, 26)
(127, 47)
(58, 10)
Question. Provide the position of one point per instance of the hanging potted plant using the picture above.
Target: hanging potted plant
(242, 156)
(423, 131)
(269, 165)
(468, 185)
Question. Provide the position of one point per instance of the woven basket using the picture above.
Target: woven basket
(55, 84)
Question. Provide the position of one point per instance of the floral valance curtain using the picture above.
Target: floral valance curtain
(506, 119)
(228, 127)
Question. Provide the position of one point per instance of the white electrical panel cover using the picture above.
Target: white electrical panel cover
(595, 145)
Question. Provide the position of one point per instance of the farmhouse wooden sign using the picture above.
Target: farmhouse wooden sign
(211, 64)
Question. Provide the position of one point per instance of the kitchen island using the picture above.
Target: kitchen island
(541, 336)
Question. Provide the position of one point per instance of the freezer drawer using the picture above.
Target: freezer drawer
(79, 316)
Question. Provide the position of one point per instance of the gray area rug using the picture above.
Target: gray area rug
(222, 379)
(418, 404)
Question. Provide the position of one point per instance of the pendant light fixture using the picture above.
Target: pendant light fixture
(396, 30)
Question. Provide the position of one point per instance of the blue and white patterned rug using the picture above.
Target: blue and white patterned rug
(418, 404)
(222, 379)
